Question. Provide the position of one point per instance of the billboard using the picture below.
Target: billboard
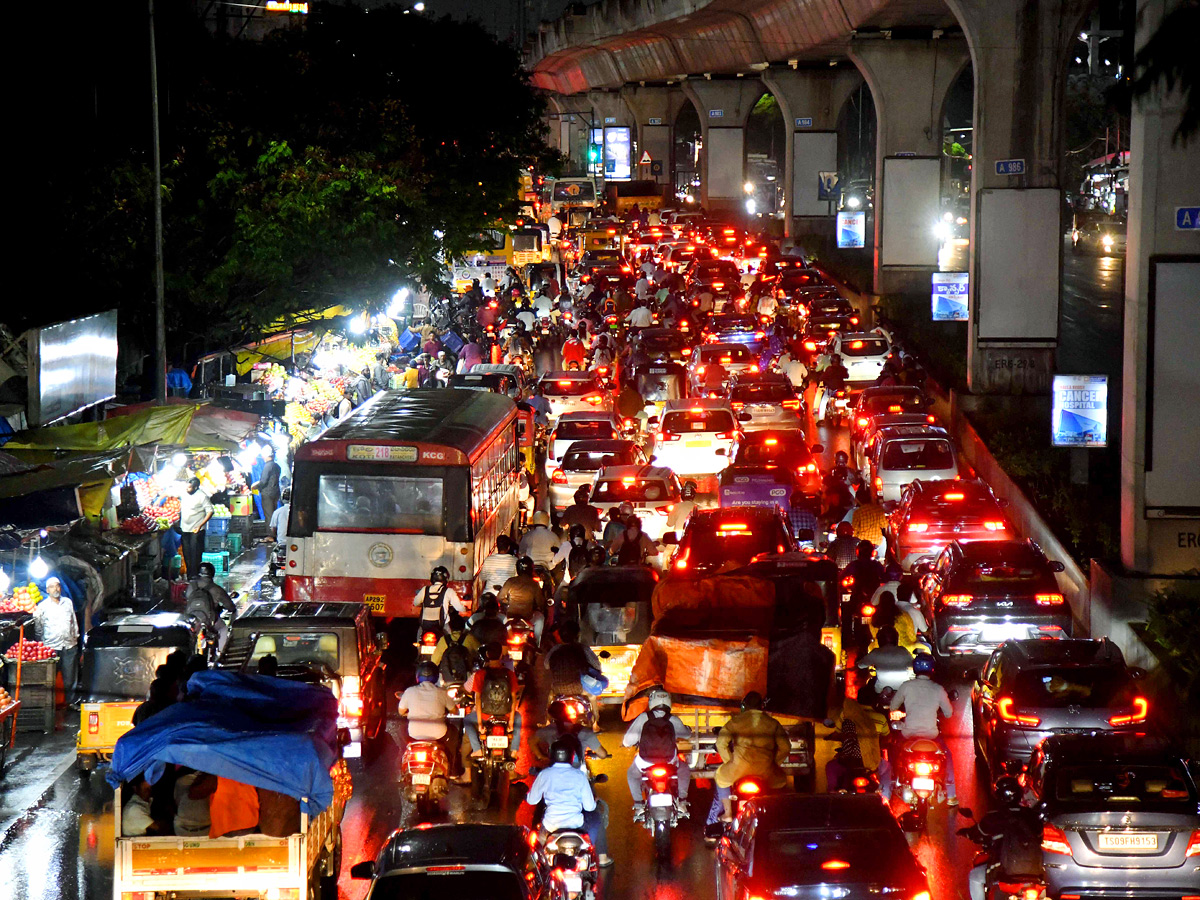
(72, 365)
(911, 205)
(1079, 411)
(851, 229)
(949, 296)
(725, 152)
(617, 154)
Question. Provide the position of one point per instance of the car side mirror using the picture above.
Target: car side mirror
(722, 452)
(364, 869)
(600, 779)
(818, 448)
(381, 639)
(670, 539)
(1056, 566)
(923, 568)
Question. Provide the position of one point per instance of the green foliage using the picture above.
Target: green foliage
(954, 148)
(1173, 620)
(1169, 57)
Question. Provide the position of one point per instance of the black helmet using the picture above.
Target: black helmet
(440, 575)
(524, 566)
(597, 556)
(841, 458)
(561, 751)
(689, 490)
(206, 570)
(577, 531)
(426, 671)
(753, 700)
(1008, 790)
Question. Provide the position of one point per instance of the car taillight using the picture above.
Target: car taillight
(667, 436)
(754, 368)
(1141, 707)
(1054, 840)
(93, 723)
(558, 477)
(811, 467)
(834, 865)
(1054, 599)
(686, 351)
(995, 526)
(863, 421)
(1005, 708)
(759, 335)
(918, 527)
(737, 404)
(959, 600)
(681, 561)
(810, 345)
(594, 399)
(791, 404)
(1193, 847)
(723, 435)
(878, 485)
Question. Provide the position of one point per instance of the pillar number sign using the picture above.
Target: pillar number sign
(1079, 411)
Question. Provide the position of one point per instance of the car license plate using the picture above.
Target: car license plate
(657, 800)
(497, 741)
(374, 602)
(516, 655)
(922, 784)
(422, 778)
(998, 634)
(762, 407)
(572, 882)
(1128, 842)
(697, 443)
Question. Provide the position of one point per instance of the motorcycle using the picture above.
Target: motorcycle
(572, 860)
(489, 773)
(661, 810)
(837, 407)
(998, 884)
(278, 563)
(920, 780)
(522, 648)
(427, 643)
(425, 776)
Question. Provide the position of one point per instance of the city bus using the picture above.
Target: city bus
(496, 250)
(408, 481)
(561, 194)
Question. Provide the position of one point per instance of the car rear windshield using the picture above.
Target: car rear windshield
(946, 506)
(664, 340)
(869, 854)
(733, 323)
(579, 431)
(791, 280)
(660, 385)
(823, 324)
(594, 460)
(570, 387)
(1087, 686)
(443, 884)
(763, 452)
(701, 420)
(864, 347)
(298, 648)
(882, 403)
(918, 453)
(618, 490)
(1124, 786)
(762, 393)
(734, 540)
(738, 354)
(717, 269)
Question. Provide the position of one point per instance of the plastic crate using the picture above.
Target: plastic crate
(239, 524)
(409, 340)
(240, 505)
(179, 591)
(214, 543)
(38, 673)
(220, 561)
(233, 543)
(217, 525)
(37, 709)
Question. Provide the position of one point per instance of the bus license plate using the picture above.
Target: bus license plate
(423, 778)
(374, 602)
(1129, 842)
(497, 741)
(922, 784)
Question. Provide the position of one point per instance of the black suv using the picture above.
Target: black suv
(1031, 689)
(980, 594)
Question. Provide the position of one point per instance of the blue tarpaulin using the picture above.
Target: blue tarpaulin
(266, 732)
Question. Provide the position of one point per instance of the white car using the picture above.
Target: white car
(575, 392)
(571, 427)
(736, 359)
(696, 437)
(863, 354)
(897, 456)
(582, 460)
(653, 492)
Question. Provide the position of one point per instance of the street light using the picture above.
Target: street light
(419, 7)
(748, 187)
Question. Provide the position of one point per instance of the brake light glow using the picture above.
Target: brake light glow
(1054, 840)
(759, 335)
(658, 772)
(918, 527)
(1005, 708)
(954, 496)
(1054, 599)
(754, 368)
(811, 467)
(867, 610)
(791, 404)
(810, 345)
(1141, 707)
(854, 320)
(749, 788)
(856, 345)
(420, 756)
(667, 436)
(564, 383)
(834, 865)
(733, 526)
(429, 638)
(718, 285)
(924, 768)
(771, 442)
(682, 562)
(863, 421)
(559, 477)
(93, 723)
(878, 485)
(594, 399)
(995, 526)
(1193, 847)
(629, 479)
(959, 600)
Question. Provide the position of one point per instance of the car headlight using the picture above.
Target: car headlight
(853, 202)
(942, 231)
(1107, 241)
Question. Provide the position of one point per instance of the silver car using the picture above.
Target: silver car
(898, 455)
(575, 392)
(579, 426)
(581, 462)
(735, 359)
(766, 401)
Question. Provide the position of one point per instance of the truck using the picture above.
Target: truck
(239, 727)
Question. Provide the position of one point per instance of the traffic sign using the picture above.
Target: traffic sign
(804, 123)
(654, 120)
(1187, 218)
(716, 113)
(1010, 167)
(656, 167)
(645, 160)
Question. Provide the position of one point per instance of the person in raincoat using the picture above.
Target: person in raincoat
(750, 743)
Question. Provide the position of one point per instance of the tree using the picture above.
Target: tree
(1170, 56)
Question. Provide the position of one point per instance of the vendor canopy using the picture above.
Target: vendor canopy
(266, 732)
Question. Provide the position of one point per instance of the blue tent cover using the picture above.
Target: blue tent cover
(267, 732)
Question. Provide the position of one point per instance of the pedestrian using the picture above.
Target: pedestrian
(380, 378)
(346, 404)
(268, 484)
(195, 509)
(362, 387)
(279, 518)
(57, 627)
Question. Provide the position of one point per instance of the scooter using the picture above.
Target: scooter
(427, 643)
(572, 860)
(999, 885)
(921, 781)
(522, 648)
(661, 810)
(425, 776)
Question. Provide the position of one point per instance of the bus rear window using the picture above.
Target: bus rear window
(379, 503)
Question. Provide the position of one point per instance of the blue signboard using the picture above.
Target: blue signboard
(949, 296)
(804, 123)
(1187, 218)
(1079, 412)
(851, 229)
(827, 185)
(1010, 167)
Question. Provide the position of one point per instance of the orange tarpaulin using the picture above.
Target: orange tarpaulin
(722, 669)
(719, 602)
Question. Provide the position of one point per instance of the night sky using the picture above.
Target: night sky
(498, 16)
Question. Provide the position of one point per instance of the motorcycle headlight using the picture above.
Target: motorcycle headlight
(853, 202)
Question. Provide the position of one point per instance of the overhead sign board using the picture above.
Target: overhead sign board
(72, 365)
(1187, 218)
(804, 123)
(827, 185)
(654, 120)
(1079, 411)
(851, 229)
(1010, 167)
(716, 113)
(949, 296)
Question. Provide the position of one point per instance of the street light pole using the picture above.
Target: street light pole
(160, 317)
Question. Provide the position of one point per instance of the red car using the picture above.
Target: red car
(932, 514)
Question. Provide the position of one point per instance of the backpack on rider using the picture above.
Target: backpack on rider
(657, 741)
(455, 666)
(496, 698)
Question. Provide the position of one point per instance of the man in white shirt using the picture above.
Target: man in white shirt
(570, 802)
(279, 518)
(436, 599)
(543, 306)
(767, 305)
(425, 706)
(195, 509)
(640, 317)
(489, 285)
(923, 699)
(54, 619)
(642, 288)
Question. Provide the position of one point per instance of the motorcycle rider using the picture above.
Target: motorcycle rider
(580, 513)
(574, 554)
(522, 597)
(435, 601)
(489, 625)
(891, 662)
(841, 472)
(495, 688)
(750, 743)
(570, 803)
(655, 733)
(683, 509)
(499, 566)
(833, 379)
(424, 706)
(633, 547)
(573, 351)
(863, 726)
(539, 543)
(922, 699)
(843, 550)
(1011, 835)
(866, 571)
(567, 723)
(206, 600)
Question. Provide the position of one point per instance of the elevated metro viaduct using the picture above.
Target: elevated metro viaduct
(637, 62)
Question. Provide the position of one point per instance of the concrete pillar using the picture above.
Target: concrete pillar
(723, 106)
(1160, 432)
(811, 101)
(908, 80)
(654, 110)
(1019, 52)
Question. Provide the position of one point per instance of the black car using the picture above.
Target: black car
(740, 534)
(666, 344)
(783, 448)
(978, 595)
(817, 846)
(466, 862)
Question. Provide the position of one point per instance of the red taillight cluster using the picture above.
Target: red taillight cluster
(1005, 708)
(957, 600)
(558, 477)
(791, 404)
(1141, 709)
(1054, 840)
(1053, 599)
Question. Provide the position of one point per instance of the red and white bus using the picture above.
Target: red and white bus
(409, 481)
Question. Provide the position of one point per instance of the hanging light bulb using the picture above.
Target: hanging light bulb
(179, 460)
(38, 568)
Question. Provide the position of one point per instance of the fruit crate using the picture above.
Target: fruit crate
(220, 561)
(214, 543)
(37, 708)
(35, 673)
(217, 525)
(233, 543)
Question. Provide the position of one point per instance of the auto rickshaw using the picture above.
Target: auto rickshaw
(614, 613)
(527, 438)
(118, 662)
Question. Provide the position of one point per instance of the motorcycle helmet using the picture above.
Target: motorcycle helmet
(689, 490)
(923, 664)
(524, 566)
(206, 570)
(1008, 790)
(541, 517)
(597, 556)
(892, 572)
(427, 673)
(753, 700)
(659, 698)
(845, 529)
(440, 575)
(577, 534)
(841, 458)
(561, 751)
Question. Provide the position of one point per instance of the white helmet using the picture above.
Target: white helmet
(658, 698)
